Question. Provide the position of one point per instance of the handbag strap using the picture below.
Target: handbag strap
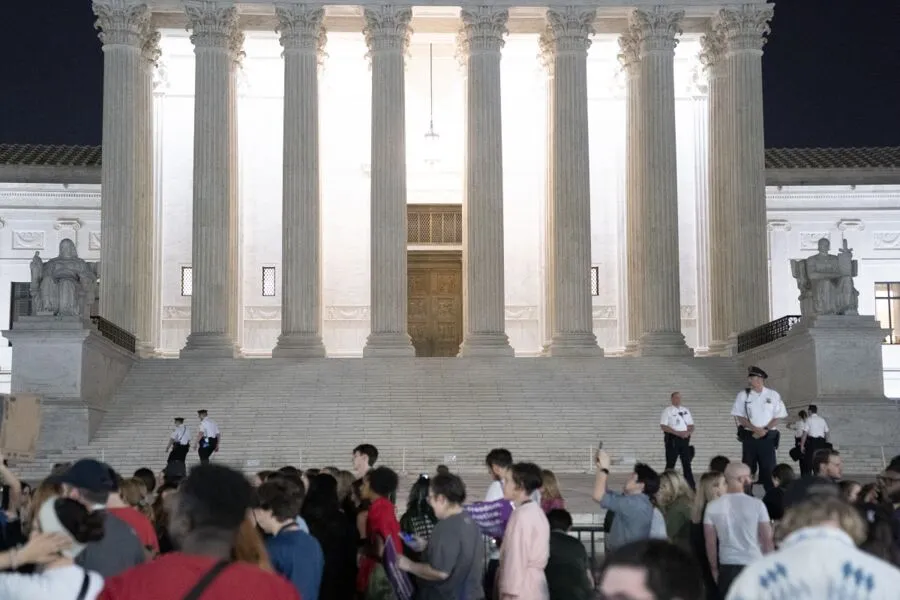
(85, 584)
(205, 581)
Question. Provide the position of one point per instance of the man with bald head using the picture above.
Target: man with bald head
(736, 528)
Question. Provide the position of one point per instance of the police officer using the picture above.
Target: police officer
(677, 425)
(179, 442)
(815, 437)
(757, 410)
(208, 437)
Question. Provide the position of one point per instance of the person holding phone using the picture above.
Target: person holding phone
(677, 426)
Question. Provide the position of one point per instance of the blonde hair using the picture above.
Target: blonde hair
(672, 488)
(823, 509)
(705, 494)
(134, 493)
(345, 481)
(550, 487)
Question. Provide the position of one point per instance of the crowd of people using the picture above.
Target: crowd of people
(86, 532)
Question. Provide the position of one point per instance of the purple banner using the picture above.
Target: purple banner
(403, 587)
(491, 517)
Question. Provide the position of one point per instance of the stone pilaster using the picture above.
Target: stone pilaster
(217, 41)
(123, 28)
(387, 35)
(303, 38)
(743, 29)
(656, 29)
(565, 43)
(721, 206)
(145, 224)
(629, 44)
(480, 40)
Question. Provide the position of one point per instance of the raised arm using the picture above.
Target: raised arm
(15, 486)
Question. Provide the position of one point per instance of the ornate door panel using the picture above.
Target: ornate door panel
(435, 303)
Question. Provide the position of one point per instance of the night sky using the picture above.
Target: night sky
(831, 74)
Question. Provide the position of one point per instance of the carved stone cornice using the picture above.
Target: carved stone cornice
(301, 27)
(744, 27)
(629, 50)
(387, 28)
(657, 28)
(712, 51)
(482, 30)
(121, 22)
(67, 223)
(851, 225)
(568, 32)
(215, 25)
(778, 225)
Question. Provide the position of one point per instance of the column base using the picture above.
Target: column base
(388, 345)
(719, 348)
(210, 345)
(145, 350)
(664, 343)
(299, 345)
(486, 344)
(575, 344)
(632, 348)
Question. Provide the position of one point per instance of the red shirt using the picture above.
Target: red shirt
(142, 526)
(173, 575)
(381, 522)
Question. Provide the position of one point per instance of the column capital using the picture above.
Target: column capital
(657, 28)
(744, 27)
(568, 32)
(629, 49)
(150, 50)
(482, 30)
(387, 28)
(121, 22)
(712, 49)
(215, 25)
(301, 27)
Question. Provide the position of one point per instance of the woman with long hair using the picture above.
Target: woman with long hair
(335, 534)
(675, 499)
(419, 519)
(59, 577)
(710, 487)
(249, 546)
(551, 497)
(161, 509)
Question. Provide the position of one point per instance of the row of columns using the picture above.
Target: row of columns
(732, 50)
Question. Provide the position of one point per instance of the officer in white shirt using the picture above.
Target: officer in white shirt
(677, 426)
(179, 442)
(815, 437)
(757, 410)
(207, 438)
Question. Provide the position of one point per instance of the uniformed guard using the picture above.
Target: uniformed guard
(815, 437)
(757, 410)
(179, 442)
(677, 426)
(207, 438)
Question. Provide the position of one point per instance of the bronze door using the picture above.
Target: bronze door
(435, 303)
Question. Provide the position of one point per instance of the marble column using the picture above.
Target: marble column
(629, 44)
(217, 43)
(303, 38)
(720, 197)
(656, 29)
(145, 224)
(565, 43)
(481, 39)
(387, 35)
(123, 28)
(743, 29)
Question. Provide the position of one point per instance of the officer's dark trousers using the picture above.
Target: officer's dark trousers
(761, 453)
(207, 447)
(679, 448)
(179, 453)
(806, 461)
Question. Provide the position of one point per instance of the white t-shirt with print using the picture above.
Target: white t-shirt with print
(736, 517)
(62, 583)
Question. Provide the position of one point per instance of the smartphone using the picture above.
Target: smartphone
(600, 444)
(408, 538)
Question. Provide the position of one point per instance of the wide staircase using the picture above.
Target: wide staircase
(418, 412)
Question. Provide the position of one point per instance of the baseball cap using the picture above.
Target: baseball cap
(87, 474)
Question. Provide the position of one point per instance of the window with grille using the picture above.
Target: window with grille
(434, 224)
(19, 301)
(887, 309)
(268, 281)
(187, 281)
(595, 281)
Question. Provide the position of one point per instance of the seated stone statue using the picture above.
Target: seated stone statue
(62, 286)
(826, 282)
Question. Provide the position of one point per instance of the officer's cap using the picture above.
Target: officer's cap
(179, 419)
(757, 372)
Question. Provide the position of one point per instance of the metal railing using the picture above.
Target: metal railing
(766, 333)
(114, 333)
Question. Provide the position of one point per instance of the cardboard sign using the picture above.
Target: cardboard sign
(20, 425)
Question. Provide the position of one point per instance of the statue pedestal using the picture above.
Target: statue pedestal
(75, 370)
(835, 362)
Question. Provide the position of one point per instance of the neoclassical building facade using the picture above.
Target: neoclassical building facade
(578, 146)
